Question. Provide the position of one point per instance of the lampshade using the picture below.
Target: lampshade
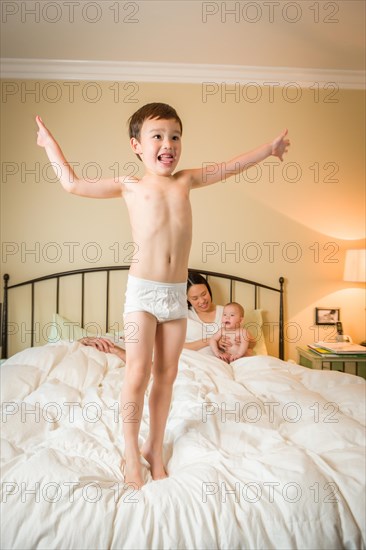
(355, 266)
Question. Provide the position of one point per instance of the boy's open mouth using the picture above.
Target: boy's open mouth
(166, 158)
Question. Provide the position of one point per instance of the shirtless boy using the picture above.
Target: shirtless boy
(160, 215)
(238, 339)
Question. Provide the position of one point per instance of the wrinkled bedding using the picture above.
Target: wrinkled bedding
(260, 453)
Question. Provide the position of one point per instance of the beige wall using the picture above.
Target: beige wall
(295, 219)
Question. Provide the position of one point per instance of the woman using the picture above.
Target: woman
(204, 317)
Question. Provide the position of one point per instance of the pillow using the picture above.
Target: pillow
(253, 322)
(64, 329)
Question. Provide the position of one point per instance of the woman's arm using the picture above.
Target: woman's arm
(103, 344)
(214, 343)
(105, 188)
(196, 345)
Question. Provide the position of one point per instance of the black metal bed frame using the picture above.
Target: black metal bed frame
(83, 272)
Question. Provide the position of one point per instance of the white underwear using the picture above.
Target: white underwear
(166, 301)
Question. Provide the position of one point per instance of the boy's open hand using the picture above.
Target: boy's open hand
(43, 136)
(280, 145)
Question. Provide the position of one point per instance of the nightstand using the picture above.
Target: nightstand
(343, 363)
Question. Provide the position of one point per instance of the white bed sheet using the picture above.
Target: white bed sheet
(261, 454)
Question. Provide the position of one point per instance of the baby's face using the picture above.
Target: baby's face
(159, 145)
(231, 318)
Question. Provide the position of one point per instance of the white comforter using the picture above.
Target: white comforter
(261, 454)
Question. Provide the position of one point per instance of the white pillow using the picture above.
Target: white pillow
(253, 321)
(64, 329)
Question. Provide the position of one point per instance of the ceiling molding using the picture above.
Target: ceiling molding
(126, 71)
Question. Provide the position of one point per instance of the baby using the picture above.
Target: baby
(239, 340)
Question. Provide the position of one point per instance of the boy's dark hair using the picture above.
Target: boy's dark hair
(197, 279)
(151, 110)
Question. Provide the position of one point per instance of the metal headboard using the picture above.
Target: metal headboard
(107, 270)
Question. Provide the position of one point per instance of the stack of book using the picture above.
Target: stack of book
(337, 349)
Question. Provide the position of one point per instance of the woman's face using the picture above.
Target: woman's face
(199, 297)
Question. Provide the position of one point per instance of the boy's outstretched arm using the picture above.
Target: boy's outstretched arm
(106, 188)
(213, 172)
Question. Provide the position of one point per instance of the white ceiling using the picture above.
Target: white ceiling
(304, 34)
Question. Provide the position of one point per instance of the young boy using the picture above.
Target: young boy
(239, 339)
(160, 215)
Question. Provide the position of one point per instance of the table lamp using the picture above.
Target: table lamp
(355, 268)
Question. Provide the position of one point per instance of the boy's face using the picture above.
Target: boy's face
(159, 145)
(231, 318)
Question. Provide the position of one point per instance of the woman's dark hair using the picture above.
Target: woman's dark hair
(197, 279)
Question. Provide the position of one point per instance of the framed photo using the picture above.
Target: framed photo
(327, 316)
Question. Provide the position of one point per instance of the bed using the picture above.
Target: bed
(261, 453)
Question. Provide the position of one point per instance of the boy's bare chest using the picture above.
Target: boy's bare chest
(174, 198)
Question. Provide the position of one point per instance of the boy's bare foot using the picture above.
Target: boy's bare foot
(155, 459)
(132, 473)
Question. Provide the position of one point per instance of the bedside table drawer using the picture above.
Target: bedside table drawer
(343, 363)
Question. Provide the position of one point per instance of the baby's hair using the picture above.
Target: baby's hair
(238, 306)
(151, 110)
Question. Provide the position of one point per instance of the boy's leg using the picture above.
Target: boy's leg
(169, 340)
(139, 348)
